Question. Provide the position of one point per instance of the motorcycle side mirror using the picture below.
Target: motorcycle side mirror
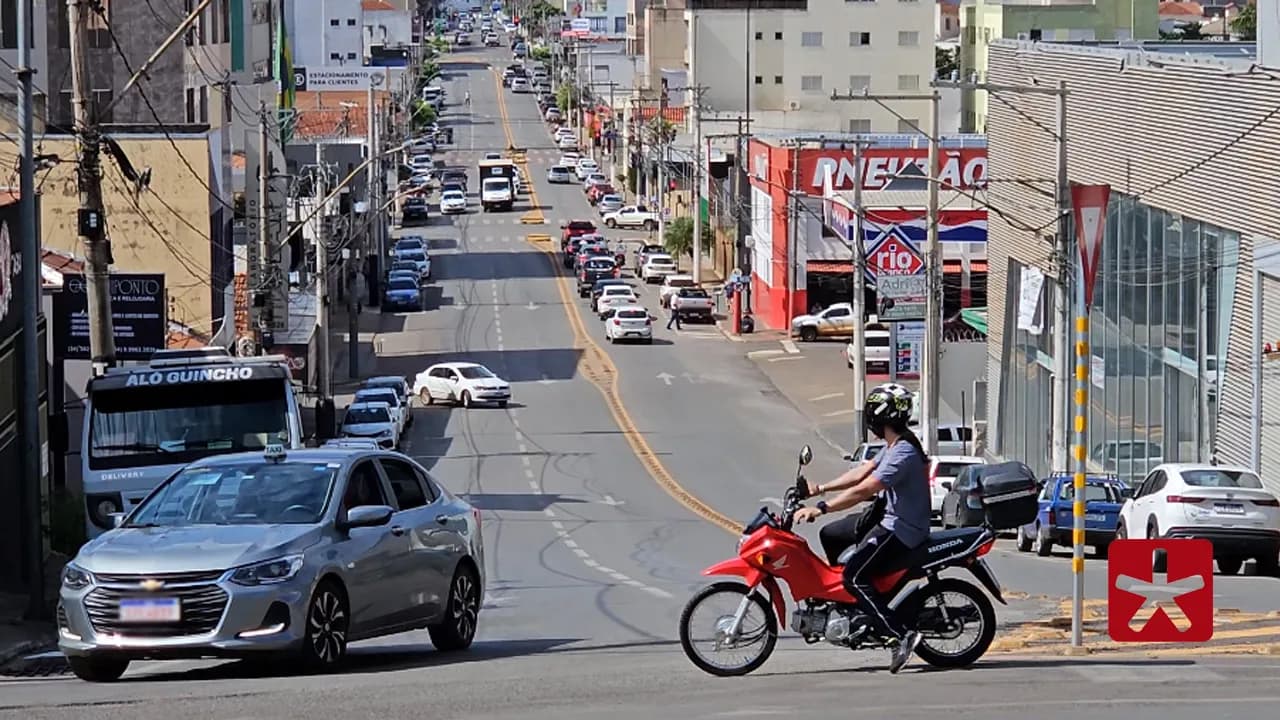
(806, 455)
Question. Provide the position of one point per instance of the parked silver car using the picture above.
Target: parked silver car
(257, 553)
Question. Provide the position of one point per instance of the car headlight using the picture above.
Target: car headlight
(385, 434)
(267, 573)
(76, 578)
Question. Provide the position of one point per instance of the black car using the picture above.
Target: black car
(601, 284)
(962, 505)
(592, 271)
(454, 177)
(414, 210)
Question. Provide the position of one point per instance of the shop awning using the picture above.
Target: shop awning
(975, 318)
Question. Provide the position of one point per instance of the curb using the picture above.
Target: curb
(23, 648)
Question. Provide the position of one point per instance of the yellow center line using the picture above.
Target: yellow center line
(598, 368)
(534, 216)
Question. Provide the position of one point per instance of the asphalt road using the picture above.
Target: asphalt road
(593, 533)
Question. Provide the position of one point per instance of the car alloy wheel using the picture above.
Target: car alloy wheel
(327, 623)
(457, 629)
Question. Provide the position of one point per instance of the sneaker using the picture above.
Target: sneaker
(902, 651)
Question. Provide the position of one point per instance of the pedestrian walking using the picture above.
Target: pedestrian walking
(674, 318)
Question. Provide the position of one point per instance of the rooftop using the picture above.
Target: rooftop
(1224, 55)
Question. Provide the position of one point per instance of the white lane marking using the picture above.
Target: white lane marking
(619, 576)
(533, 484)
(828, 396)
(790, 347)
(557, 524)
(586, 559)
(501, 347)
(786, 357)
(764, 353)
(838, 413)
(570, 543)
(605, 570)
(524, 460)
(523, 448)
(548, 512)
(657, 591)
(528, 473)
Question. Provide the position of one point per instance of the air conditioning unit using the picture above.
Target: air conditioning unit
(793, 105)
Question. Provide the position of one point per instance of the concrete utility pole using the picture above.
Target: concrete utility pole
(91, 220)
(660, 142)
(698, 160)
(268, 254)
(32, 448)
(860, 304)
(324, 387)
(929, 371)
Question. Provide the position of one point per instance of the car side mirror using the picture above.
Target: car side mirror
(1126, 493)
(366, 516)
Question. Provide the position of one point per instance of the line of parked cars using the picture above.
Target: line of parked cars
(410, 269)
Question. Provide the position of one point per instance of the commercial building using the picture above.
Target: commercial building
(782, 59)
(326, 32)
(984, 21)
(9, 57)
(607, 18)
(1176, 370)
(800, 254)
(386, 26)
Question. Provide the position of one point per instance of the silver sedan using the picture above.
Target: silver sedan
(254, 553)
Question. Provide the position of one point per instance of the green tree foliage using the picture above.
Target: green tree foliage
(1245, 24)
(661, 130)
(564, 96)
(678, 238)
(945, 61)
(540, 53)
(423, 114)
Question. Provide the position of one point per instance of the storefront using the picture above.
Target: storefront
(1173, 345)
(894, 198)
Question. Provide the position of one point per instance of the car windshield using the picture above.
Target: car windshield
(559, 170)
(454, 195)
(409, 244)
(1093, 492)
(405, 266)
(662, 261)
(680, 282)
(370, 414)
(475, 372)
(598, 264)
(395, 385)
(375, 395)
(693, 293)
(401, 283)
(1222, 479)
(611, 199)
(414, 257)
(629, 314)
(876, 341)
(254, 492)
(495, 184)
(952, 469)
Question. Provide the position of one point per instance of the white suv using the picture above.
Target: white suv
(1226, 505)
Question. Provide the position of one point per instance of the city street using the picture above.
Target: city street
(616, 474)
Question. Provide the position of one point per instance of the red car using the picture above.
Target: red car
(598, 191)
(574, 228)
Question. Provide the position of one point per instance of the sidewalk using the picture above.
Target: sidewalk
(369, 323)
(20, 637)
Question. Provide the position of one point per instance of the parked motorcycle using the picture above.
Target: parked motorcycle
(742, 617)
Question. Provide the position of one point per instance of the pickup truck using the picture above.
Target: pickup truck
(594, 269)
(632, 216)
(671, 285)
(573, 229)
(1103, 497)
(694, 302)
(644, 251)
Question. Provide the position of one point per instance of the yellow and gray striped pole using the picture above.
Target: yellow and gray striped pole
(1089, 210)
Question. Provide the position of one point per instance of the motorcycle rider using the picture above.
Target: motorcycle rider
(900, 472)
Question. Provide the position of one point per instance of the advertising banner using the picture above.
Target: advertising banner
(901, 297)
(318, 78)
(138, 316)
(892, 168)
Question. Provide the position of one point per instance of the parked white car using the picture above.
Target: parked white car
(632, 216)
(672, 283)
(559, 175)
(586, 168)
(628, 322)
(373, 421)
(657, 267)
(453, 201)
(467, 384)
(615, 296)
(1226, 505)
(566, 142)
(943, 470)
(876, 350)
(569, 160)
(399, 411)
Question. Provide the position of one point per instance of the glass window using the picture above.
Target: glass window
(404, 483)
(909, 82)
(1221, 479)
(858, 83)
(859, 125)
(364, 487)
(811, 83)
(244, 493)
(811, 39)
(859, 39)
(908, 38)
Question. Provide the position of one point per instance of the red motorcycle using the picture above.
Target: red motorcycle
(941, 609)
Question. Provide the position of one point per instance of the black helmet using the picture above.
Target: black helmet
(888, 405)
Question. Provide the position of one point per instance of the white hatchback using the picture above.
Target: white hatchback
(614, 296)
(943, 471)
(586, 168)
(629, 322)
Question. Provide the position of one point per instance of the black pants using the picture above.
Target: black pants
(879, 552)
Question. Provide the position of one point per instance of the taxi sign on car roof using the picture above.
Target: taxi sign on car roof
(274, 452)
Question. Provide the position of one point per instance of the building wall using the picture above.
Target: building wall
(983, 21)
(799, 58)
(665, 35)
(166, 229)
(637, 31)
(9, 57)
(1151, 132)
(387, 28)
(608, 17)
(315, 38)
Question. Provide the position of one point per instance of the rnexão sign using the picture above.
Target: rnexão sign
(894, 168)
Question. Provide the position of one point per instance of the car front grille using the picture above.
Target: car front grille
(203, 576)
(202, 606)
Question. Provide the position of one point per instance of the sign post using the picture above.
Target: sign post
(1089, 215)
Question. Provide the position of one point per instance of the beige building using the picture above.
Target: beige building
(165, 228)
(663, 41)
(784, 58)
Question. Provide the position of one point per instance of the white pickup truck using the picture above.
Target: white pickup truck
(671, 284)
(693, 302)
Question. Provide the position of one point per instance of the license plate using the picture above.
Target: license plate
(1229, 508)
(1095, 517)
(150, 610)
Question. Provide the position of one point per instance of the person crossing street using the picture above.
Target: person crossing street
(674, 318)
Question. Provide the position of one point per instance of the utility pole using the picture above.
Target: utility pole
(930, 367)
(698, 160)
(860, 304)
(32, 448)
(92, 230)
(324, 386)
(267, 252)
(660, 127)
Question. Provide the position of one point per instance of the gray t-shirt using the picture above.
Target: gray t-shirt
(901, 469)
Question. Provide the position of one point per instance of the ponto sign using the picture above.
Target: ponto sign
(895, 257)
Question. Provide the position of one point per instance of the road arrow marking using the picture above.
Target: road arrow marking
(691, 378)
(666, 377)
(611, 502)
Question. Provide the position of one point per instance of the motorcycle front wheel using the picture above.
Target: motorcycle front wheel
(956, 621)
(708, 619)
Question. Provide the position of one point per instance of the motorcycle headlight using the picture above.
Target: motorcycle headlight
(76, 578)
(741, 541)
(267, 573)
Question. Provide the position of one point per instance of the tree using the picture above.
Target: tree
(564, 96)
(662, 130)
(423, 114)
(945, 61)
(678, 238)
(540, 53)
(1245, 23)
(1189, 31)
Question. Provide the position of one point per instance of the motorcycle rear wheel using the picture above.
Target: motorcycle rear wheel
(986, 615)
(766, 633)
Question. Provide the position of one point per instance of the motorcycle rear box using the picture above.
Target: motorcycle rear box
(1010, 495)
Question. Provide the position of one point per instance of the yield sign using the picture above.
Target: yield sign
(895, 257)
(1089, 211)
